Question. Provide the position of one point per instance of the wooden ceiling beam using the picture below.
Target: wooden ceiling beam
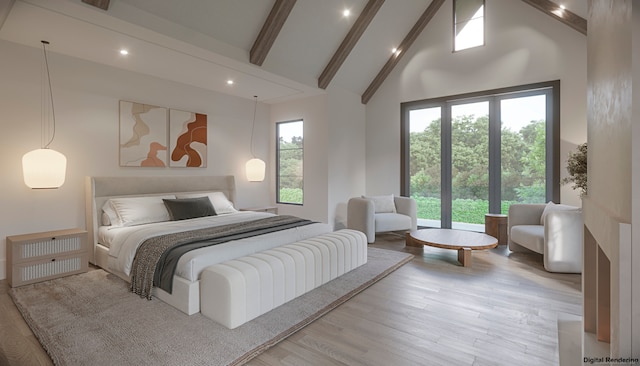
(422, 22)
(270, 30)
(565, 16)
(349, 41)
(102, 4)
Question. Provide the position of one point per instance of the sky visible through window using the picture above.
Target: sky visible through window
(288, 130)
(516, 113)
(472, 33)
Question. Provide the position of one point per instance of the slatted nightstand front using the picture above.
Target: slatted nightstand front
(43, 256)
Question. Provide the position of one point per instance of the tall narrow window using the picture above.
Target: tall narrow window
(468, 24)
(290, 153)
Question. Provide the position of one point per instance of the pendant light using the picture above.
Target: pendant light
(45, 168)
(255, 167)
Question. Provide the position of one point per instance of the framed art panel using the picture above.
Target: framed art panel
(187, 139)
(143, 135)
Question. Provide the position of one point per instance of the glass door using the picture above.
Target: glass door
(450, 182)
(466, 156)
(523, 150)
(425, 164)
(469, 165)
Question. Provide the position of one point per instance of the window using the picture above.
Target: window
(468, 155)
(290, 154)
(468, 24)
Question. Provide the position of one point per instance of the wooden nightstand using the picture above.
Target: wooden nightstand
(271, 209)
(44, 256)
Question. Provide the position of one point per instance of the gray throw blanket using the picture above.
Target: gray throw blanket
(149, 266)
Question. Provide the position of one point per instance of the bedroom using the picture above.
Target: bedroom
(87, 95)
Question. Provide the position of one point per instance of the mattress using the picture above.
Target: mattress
(124, 241)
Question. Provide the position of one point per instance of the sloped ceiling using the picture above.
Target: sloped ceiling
(204, 43)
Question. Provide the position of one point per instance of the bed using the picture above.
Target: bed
(116, 243)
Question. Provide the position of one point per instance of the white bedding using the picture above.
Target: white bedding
(124, 241)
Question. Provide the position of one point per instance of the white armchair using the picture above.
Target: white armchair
(555, 231)
(378, 214)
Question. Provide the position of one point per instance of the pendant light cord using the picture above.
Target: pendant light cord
(253, 127)
(53, 111)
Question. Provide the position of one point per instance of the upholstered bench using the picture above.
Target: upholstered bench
(236, 291)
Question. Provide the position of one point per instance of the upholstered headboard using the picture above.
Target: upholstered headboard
(100, 189)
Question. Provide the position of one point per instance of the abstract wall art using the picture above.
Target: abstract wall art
(153, 136)
(187, 139)
(143, 135)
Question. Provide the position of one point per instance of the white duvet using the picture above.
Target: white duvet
(124, 241)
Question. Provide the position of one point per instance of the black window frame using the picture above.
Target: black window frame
(552, 154)
(278, 200)
(455, 24)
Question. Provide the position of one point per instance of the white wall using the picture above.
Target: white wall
(313, 111)
(346, 151)
(613, 192)
(523, 45)
(86, 99)
(334, 153)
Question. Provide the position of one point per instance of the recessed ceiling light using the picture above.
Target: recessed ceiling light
(124, 52)
(230, 82)
(562, 7)
(395, 51)
(346, 12)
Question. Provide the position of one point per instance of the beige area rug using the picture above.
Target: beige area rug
(92, 319)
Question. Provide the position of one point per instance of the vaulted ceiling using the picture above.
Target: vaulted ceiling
(276, 49)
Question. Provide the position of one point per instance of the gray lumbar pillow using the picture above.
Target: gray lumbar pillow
(189, 208)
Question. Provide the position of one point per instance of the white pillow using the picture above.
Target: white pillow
(554, 207)
(141, 210)
(109, 216)
(383, 204)
(220, 203)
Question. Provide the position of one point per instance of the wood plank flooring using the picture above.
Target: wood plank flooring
(501, 311)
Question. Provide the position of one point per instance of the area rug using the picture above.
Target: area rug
(92, 319)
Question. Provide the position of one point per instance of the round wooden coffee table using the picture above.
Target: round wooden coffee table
(462, 241)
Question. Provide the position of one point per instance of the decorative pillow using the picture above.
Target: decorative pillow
(189, 208)
(109, 216)
(555, 207)
(382, 204)
(220, 202)
(141, 210)
(105, 220)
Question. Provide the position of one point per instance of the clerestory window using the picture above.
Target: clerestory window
(468, 24)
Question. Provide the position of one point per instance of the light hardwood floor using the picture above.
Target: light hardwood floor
(432, 311)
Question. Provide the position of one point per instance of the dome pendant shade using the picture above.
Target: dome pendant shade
(44, 168)
(255, 170)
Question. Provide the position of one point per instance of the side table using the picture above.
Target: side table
(496, 226)
(44, 256)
